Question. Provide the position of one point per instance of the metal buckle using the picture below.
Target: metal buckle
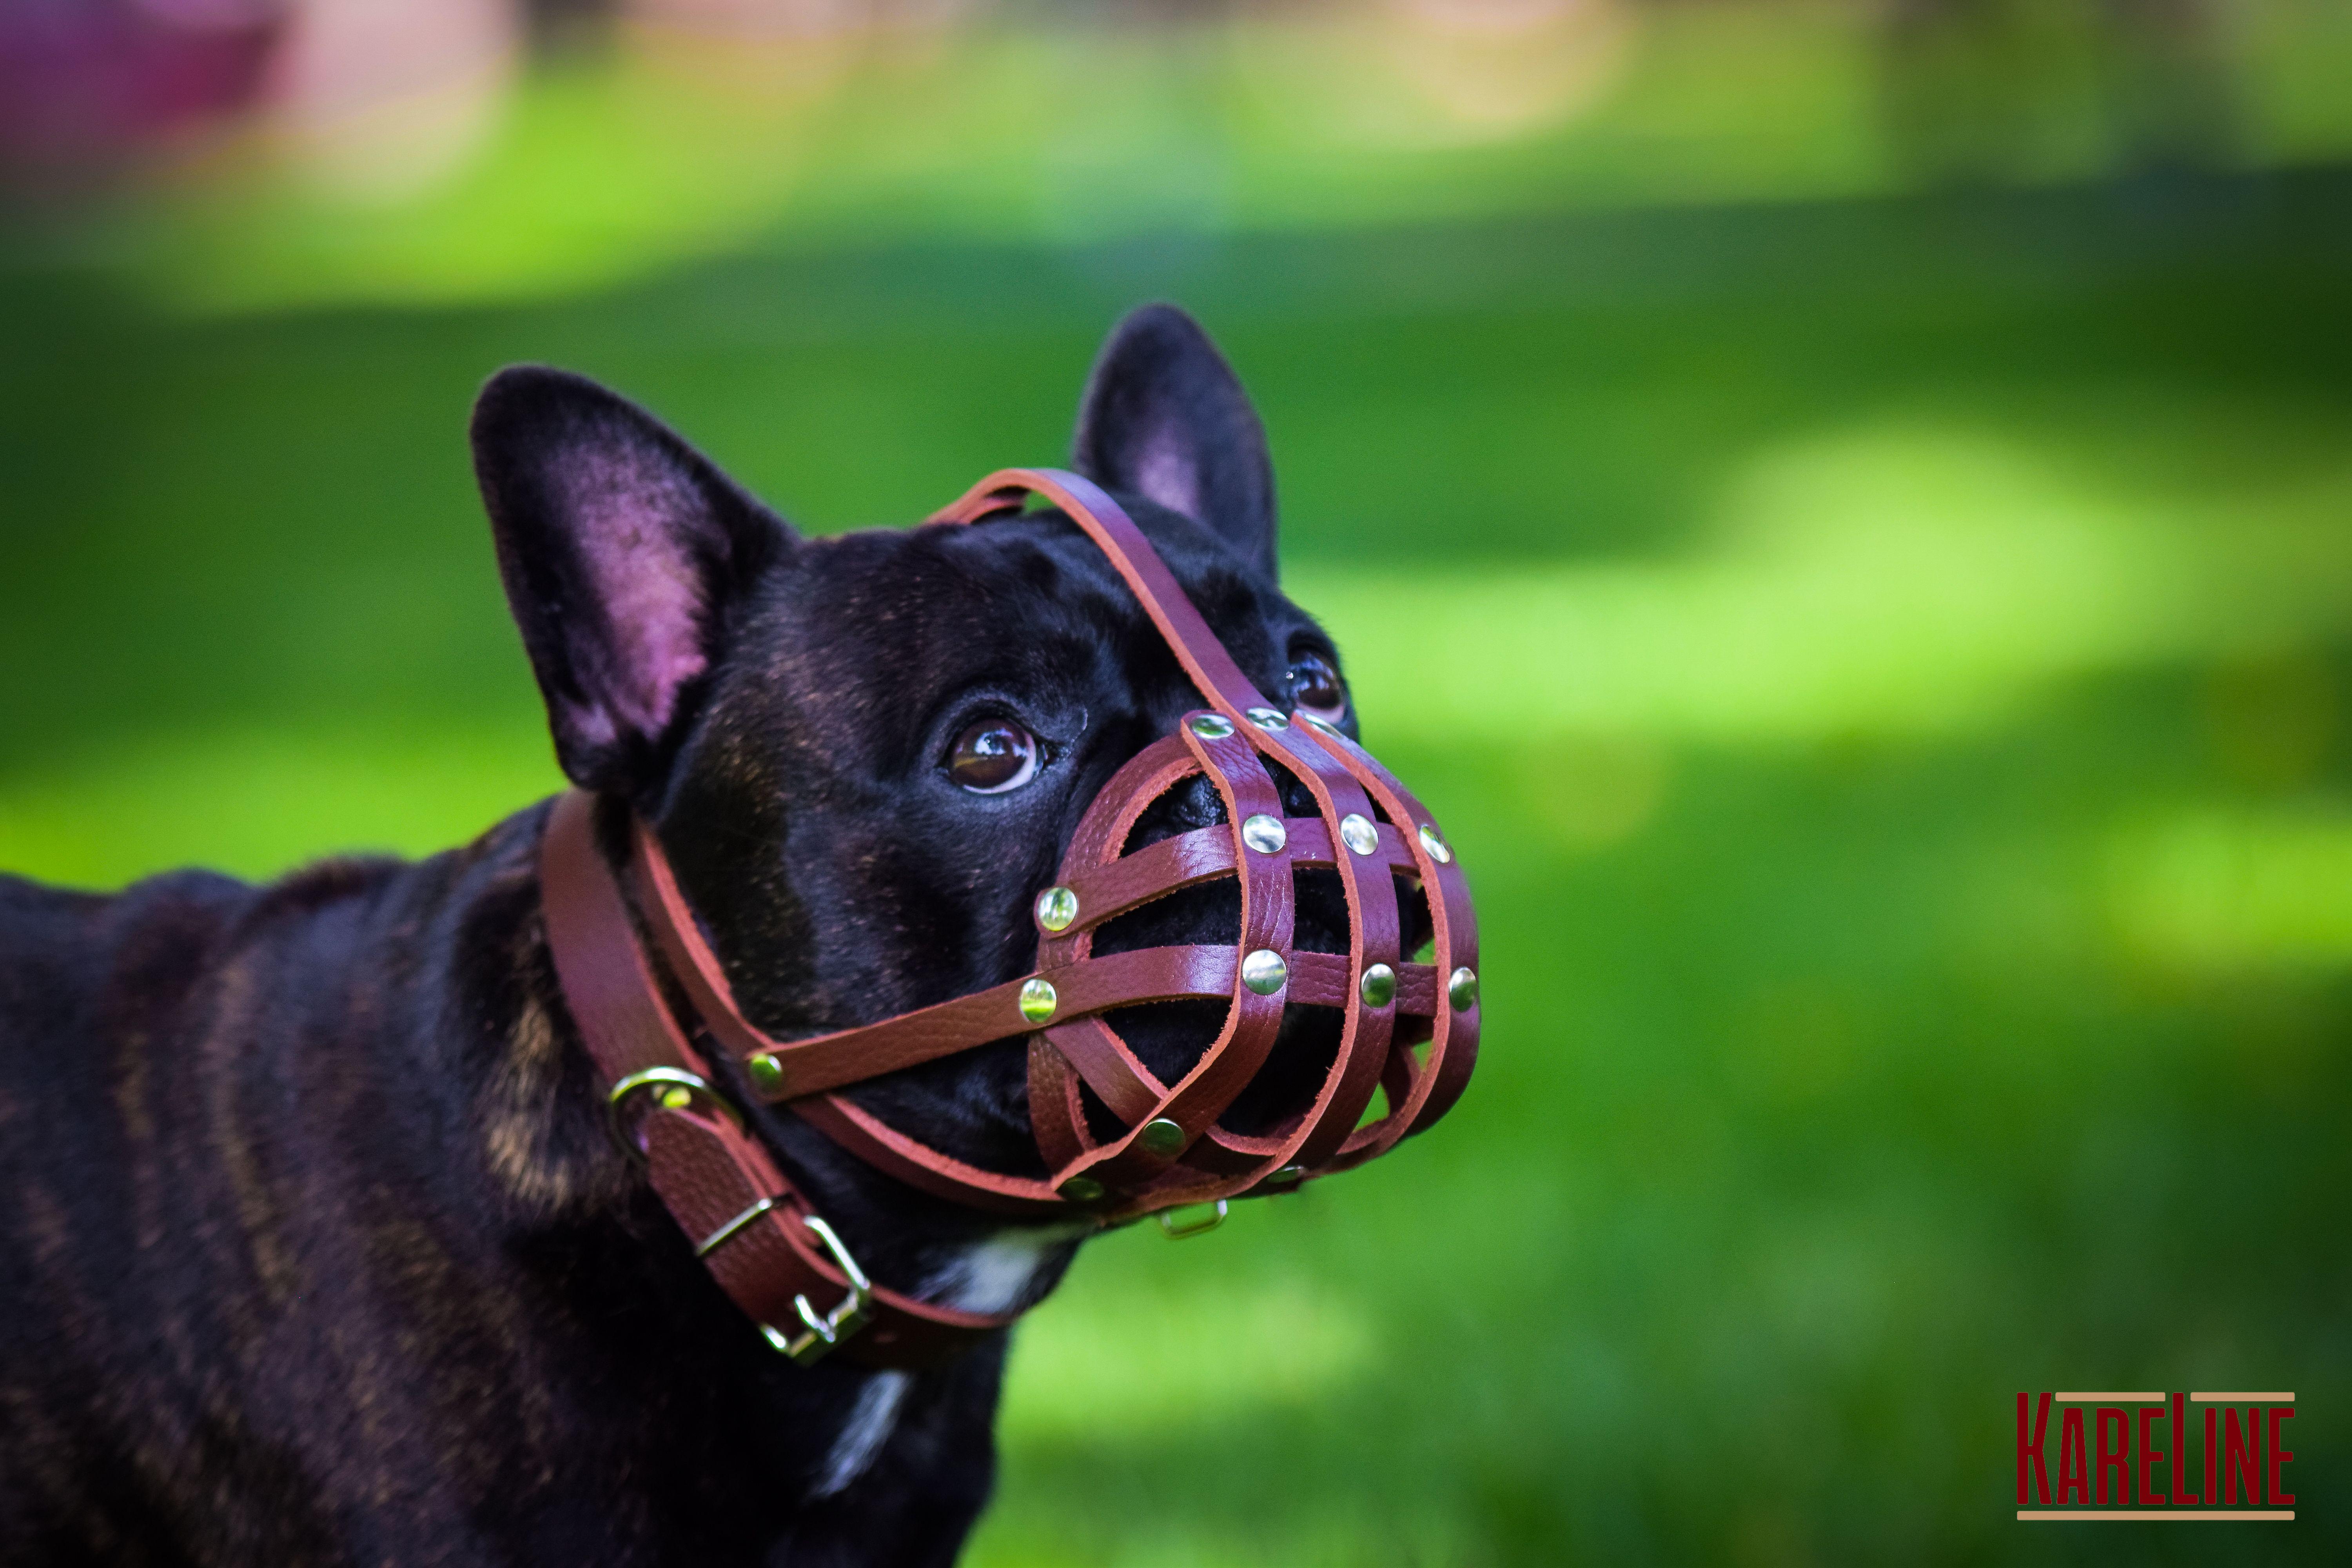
(822, 1333)
(1195, 1228)
(826, 1332)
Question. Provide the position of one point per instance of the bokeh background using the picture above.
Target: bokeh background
(1844, 508)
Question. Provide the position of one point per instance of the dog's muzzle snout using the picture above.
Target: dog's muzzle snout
(1398, 1035)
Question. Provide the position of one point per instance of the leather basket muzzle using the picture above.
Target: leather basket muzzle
(1369, 832)
(1409, 1030)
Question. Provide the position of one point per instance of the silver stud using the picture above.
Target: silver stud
(1081, 1189)
(1264, 971)
(1434, 845)
(1056, 907)
(1162, 1137)
(1325, 725)
(1287, 1176)
(1463, 987)
(1377, 987)
(1265, 834)
(1357, 832)
(1268, 718)
(1210, 726)
(1037, 999)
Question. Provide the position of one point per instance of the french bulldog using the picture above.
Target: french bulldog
(314, 1245)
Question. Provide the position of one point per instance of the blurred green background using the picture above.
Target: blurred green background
(1842, 510)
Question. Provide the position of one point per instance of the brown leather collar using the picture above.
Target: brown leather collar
(780, 1261)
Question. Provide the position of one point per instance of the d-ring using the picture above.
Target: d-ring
(1192, 1227)
(825, 1333)
(672, 1081)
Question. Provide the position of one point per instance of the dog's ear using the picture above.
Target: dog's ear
(1164, 418)
(625, 554)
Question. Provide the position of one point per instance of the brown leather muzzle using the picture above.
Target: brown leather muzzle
(1408, 1029)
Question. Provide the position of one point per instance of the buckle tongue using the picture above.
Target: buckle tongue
(828, 1331)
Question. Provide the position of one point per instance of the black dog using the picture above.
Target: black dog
(313, 1245)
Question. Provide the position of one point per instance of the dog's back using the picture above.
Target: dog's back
(192, 1319)
(96, 997)
(96, 992)
(312, 1248)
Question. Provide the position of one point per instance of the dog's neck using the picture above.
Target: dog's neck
(539, 1110)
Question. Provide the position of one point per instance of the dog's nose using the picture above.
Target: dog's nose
(1190, 804)
(1195, 804)
(1296, 799)
(1199, 804)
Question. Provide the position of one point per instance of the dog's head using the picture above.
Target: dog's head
(864, 755)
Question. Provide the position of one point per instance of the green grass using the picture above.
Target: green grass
(1884, 666)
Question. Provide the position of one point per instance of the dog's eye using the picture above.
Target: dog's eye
(993, 755)
(1316, 691)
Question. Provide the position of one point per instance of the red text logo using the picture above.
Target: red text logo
(2154, 1456)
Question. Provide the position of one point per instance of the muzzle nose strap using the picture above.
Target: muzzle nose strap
(1213, 671)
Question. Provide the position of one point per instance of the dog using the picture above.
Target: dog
(314, 1244)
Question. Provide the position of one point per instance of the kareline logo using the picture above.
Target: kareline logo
(2238, 1463)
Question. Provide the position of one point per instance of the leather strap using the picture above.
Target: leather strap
(709, 1171)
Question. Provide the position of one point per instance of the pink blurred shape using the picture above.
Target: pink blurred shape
(88, 85)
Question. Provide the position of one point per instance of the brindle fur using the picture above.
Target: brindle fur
(313, 1245)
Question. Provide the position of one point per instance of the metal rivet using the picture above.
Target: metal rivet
(1463, 987)
(1357, 832)
(1287, 1176)
(1268, 718)
(1037, 999)
(1162, 1137)
(767, 1074)
(1264, 971)
(676, 1099)
(1210, 726)
(1434, 845)
(1081, 1189)
(1378, 986)
(1265, 834)
(1325, 725)
(1056, 907)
